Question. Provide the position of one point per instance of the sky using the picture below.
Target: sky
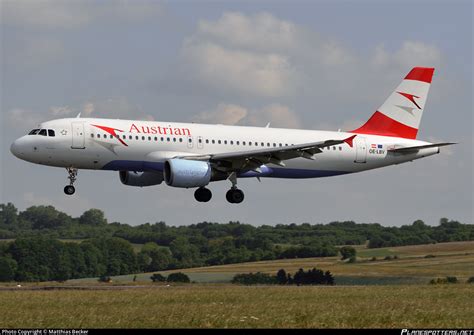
(323, 65)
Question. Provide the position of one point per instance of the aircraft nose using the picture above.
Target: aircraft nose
(16, 149)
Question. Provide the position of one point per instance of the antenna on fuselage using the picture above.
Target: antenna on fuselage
(268, 125)
(78, 115)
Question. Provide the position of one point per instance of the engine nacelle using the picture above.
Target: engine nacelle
(146, 178)
(187, 173)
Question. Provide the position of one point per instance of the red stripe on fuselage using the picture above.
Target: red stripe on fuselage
(424, 74)
(382, 125)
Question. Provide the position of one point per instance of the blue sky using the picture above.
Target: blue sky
(298, 64)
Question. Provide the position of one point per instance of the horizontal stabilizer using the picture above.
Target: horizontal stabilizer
(416, 148)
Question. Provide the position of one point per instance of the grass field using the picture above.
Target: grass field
(451, 259)
(224, 305)
(86, 303)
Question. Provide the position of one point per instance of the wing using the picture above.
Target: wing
(409, 150)
(253, 159)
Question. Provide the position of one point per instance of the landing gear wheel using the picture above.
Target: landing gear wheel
(69, 190)
(235, 196)
(203, 194)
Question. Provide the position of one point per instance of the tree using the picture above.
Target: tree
(178, 277)
(93, 217)
(281, 276)
(347, 252)
(156, 277)
(8, 215)
(8, 267)
(43, 217)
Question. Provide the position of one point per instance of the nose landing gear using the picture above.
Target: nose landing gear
(70, 189)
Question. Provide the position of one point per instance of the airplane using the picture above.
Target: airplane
(191, 155)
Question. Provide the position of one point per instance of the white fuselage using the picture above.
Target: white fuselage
(126, 145)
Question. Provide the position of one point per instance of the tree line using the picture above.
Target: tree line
(301, 277)
(164, 247)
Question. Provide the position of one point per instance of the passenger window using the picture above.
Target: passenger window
(111, 136)
(280, 144)
(51, 133)
(98, 135)
(250, 143)
(340, 148)
(190, 140)
(130, 137)
(92, 135)
(181, 139)
(268, 144)
(263, 144)
(167, 139)
(219, 141)
(213, 141)
(149, 138)
(256, 144)
(174, 139)
(143, 138)
(231, 142)
(238, 143)
(162, 139)
(42, 132)
(156, 138)
(225, 141)
(200, 141)
(207, 141)
(136, 137)
(243, 143)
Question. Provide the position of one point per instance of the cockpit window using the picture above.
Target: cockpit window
(51, 133)
(42, 132)
(34, 132)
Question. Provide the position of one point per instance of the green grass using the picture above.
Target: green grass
(230, 306)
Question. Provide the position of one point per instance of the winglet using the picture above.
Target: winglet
(350, 140)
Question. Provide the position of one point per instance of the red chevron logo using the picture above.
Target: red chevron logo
(410, 97)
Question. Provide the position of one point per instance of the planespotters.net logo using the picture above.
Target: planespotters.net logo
(437, 332)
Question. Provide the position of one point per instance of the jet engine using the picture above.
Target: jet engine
(187, 173)
(141, 179)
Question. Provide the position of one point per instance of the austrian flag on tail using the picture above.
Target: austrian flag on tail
(400, 115)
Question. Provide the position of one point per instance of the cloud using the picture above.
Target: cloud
(263, 56)
(229, 114)
(239, 71)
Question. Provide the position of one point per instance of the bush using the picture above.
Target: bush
(430, 256)
(452, 280)
(347, 253)
(352, 259)
(446, 280)
(105, 279)
(388, 258)
(156, 277)
(470, 280)
(373, 259)
(178, 277)
(253, 279)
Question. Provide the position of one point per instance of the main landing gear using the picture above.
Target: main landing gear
(203, 194)
(69, 189)
(234, 195)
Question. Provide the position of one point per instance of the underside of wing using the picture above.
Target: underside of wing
(408, 150)
(253, 159)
